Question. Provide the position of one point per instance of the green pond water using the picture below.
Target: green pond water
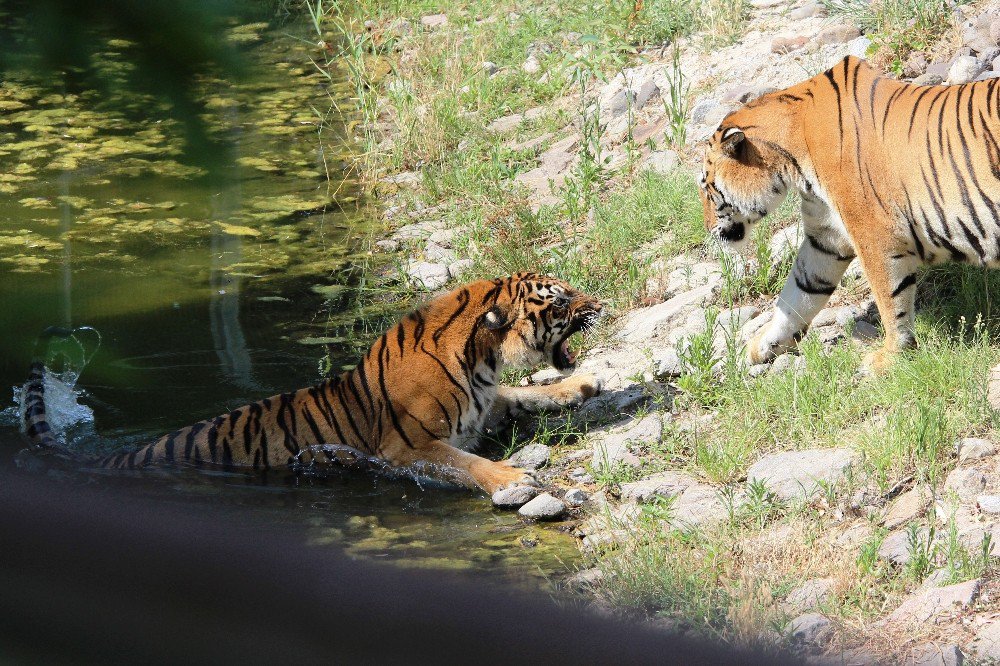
(208, 291)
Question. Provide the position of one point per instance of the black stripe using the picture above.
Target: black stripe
(904, 284)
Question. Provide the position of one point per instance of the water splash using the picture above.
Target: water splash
(66, 353)
(318, 461)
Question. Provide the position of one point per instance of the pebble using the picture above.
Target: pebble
(543, 507)
(514, 497)
(533, 456)
(575, 497)
(434, 20)
(840, 33)
(974, 448)
(964, 69)
(810, 628)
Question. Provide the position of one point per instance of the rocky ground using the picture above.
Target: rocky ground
(613, 475)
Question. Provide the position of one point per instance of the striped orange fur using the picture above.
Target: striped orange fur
(422, 394)
(894, 173)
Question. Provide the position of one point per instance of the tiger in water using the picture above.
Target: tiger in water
(894, 173)
(422, 394)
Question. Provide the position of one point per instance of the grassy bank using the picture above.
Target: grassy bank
(428, 97)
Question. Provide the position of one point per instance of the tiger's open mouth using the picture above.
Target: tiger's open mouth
(562, 357)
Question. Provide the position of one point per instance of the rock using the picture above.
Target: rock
(585, 581)
(964, 69)
(410, 179)
(490, 68)
(580, 475)
(701, 109)
(788, 44)
(839, 33)
(514, 497)
(993, 388)
(935, 655)
(915, 65)
(417, 231)
(662, 484)
(505, 124)
(575, 497)
(841, 316)
(667, 364)
(907, 507)
(797, 474)
(808, 10)
(858, 47)
(608, 455)
(437, 254)
(986, 645)
(434, 20)
(995, 31)
(543, 507)
(785, 243)
(660, 161)
(461, 266)
(936, 603)
(862, 331)
(533, 456)
(645, 323)
(699, 505)
(387, 245)
(425, 275)
(690, 276)
(928, 79)
(939, 69)
(786, 362)
(988, 503)
(853, 537)
(974, 448)
(896, 546)
(986, 76)
(745, 92)
(809, 629)
(732, 320)
(966, 483)
(809, 595)
(444, 237)
(531, 65)
(632, 88)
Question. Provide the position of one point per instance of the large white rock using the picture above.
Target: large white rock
(543, 507)
(646, 323)
(799, 474)
(936, 603)
(426, 275)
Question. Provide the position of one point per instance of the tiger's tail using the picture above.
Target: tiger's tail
(35, 422)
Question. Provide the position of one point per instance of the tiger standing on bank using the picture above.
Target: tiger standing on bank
(423, 393)
(894, 173)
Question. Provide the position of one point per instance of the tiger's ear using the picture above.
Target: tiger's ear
(495, 318)
(731, 140)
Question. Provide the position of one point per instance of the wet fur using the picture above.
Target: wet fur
(896, 174)
(422, 394)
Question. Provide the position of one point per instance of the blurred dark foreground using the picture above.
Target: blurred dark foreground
(96, 576)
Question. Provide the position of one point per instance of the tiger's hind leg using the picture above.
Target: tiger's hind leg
(820, 264)
(892, 275)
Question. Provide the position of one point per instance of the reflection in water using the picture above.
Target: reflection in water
(224, 304)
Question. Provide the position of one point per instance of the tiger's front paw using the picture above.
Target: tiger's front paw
(502, 475)
(573, 391)
(878, 362)
(765, 346)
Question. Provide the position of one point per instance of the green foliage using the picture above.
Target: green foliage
(897, 27)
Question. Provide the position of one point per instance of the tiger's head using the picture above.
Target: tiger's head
(536, 315)
(742, 181)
